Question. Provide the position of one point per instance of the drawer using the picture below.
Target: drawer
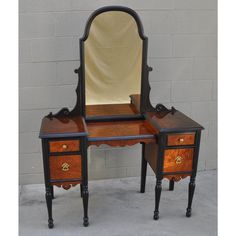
(64, 146)
(65, 167)
(176, 160)
(180, 139)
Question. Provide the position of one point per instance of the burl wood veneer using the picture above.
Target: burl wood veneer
(177, 160)
(65, 167)
(120, 132)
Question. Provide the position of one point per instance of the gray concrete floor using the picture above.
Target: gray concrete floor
(117, 208)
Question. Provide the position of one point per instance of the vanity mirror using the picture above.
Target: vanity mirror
(113, 69)
(113, 59)
(113, 63)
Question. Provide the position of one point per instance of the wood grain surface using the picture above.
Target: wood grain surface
(56, 167)
(64, 145)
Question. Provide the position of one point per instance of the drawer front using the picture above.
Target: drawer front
(64, 146)
(65, 167)
(180, 139)
(176, 160)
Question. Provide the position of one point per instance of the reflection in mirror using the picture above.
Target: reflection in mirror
(113, 59)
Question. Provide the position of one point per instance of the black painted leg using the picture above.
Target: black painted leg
(48, 196)
(143, 170)
(85, 203)
(81, 190)
(52, 191)
(171, 185)
(191, 189)
(158, 189)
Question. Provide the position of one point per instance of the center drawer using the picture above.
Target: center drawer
(64, 146)
(65, 167)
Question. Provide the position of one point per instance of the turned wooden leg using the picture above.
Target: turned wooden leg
(48, 196)
(191, 189)
(81, 190)
(143, 170)
(52, 191)
(85, 204)
(171, 185)
(158, 189)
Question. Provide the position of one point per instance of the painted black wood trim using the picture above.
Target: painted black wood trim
(196, 153)
(178, 173)
(114, 8)
(63, 139)
(179, 147)
(62, 135)
(65, 180)
(160, 155)
(183, 132)
(145, 103)
(180, 129)
(117, 138)
(77, 110)
(114, 118)
(52, 154)
(46, 169)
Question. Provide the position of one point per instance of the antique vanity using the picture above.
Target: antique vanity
(113, 108)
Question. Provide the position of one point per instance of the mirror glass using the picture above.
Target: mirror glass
(113, 59)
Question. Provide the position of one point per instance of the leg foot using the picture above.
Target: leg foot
(188, 212)
(86, 222)
(171, 185)
(50, 224)
(156, 215)
(191, 189)
(85, 204)
(143, 170)
(158, 189)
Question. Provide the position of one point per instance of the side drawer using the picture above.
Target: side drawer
(65, 167)
(181, 139)
(64, 146)
(178, 160)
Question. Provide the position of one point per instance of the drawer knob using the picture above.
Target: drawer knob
(64, 146)
(178, 160)
(65, 166)
(181, 140)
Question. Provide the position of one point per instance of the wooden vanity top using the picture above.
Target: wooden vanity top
(167, 121)
(154, 122)
(96, 131)
(63, 127)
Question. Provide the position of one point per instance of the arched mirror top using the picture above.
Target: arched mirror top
(118, 9)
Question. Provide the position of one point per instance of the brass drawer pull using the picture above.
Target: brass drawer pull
(64, 146)
(65, 166)
(181, 140)
(178, 160)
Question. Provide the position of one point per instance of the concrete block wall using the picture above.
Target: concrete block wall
(182, 52)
